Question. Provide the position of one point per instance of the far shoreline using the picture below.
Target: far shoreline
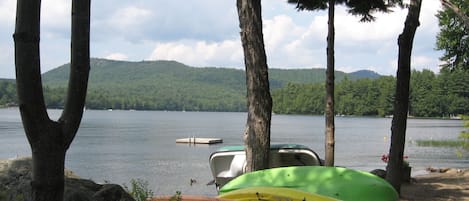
(273, 113)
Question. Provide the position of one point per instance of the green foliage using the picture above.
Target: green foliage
(299, 99)
(453, 37)
(462, 143)
(361, 8)
(7, 93)
(139, 189)
(168, 85)
(176, 197)
(439, 143)
(464, 136)
(359, 97)
(431, 95)
(3, 194)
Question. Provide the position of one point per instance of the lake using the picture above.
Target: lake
(116, 146)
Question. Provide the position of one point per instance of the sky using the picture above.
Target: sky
(205, 33)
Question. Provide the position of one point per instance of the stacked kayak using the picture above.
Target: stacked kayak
(331, 182)
(273, 194)
(228, 162)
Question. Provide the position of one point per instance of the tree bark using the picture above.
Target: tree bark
(401, 103)
(49, 140)
(330, 125)
(259, 101)
(79, 69)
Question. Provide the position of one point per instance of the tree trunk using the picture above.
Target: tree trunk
(401, 103)
(49, 140)
(330, 125)
(48, 169)
(259, 101)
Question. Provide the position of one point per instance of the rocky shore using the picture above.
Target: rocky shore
(15, 180)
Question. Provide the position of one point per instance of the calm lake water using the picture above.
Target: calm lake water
(116, 146)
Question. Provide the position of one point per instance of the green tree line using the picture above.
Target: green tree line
(8, 95)
(432, 95)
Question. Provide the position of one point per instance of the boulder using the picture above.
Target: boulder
(379, 172)
(15, 184)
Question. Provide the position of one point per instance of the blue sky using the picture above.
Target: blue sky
(205, 33)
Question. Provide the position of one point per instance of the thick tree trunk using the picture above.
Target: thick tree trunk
(257, 133)
(401, 103)
(330, 125)
(49, 140)
(48, 171)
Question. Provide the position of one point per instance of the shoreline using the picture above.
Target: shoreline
(452, 184)
(442, 184)
(457, 118)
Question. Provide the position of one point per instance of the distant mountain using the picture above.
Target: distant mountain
(365, 74)
(170, 85)
(105, 71)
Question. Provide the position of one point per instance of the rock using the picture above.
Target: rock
(15, 184)
(439, 170)
(379, 172)
(112, 192)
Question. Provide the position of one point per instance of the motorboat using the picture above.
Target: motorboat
(229, 162)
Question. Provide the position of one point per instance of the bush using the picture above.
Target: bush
(139, 189)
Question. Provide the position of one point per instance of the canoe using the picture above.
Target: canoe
(273, 194)
(185, 198)
(228, 162)
(335, 182)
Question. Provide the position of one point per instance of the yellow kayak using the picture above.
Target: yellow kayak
(273, 194)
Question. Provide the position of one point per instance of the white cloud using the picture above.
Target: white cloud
(280, 31)
(117, 56)
(288, 44)
(6, 62)
(130, 17)
(7, 12)
(137, 30)
(420, 62)
(200, 53)
(56, 14)
(386, 27)
(428, 20)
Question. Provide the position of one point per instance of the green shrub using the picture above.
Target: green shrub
(176, 197)
(139, 189)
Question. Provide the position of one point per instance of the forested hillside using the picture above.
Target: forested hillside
(7, 93)
(169, 85)
(431, 95)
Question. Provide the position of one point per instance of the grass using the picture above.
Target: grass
(462, 144)
(139, 189)
(440, 143)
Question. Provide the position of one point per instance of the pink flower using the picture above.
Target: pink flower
(385, 158)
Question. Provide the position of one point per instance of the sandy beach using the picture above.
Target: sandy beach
(452, 184)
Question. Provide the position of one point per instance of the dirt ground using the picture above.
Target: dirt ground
(450, 185)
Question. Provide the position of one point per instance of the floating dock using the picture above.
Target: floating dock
(199, 140)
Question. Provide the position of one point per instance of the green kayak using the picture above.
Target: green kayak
(335, 182)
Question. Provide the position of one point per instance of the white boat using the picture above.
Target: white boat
(230, 161)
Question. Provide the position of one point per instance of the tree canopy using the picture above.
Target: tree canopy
(364, 9)
(431, 95)
(453, 37)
